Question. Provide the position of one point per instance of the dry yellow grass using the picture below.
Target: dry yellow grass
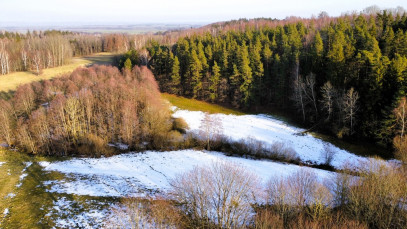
(11, 81)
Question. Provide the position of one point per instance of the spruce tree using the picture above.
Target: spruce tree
(175, 77)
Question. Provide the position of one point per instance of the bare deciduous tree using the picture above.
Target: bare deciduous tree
(4, 58)
(6, 121)
(220, 194)
(211, 129)
(401, 115)
(36, 58)
(350, 107)
(292, 194)
(328, 95)
(309, 91)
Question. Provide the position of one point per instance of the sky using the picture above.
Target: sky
(104, 12)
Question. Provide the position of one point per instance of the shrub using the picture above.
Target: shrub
(94, 146)
(328, 153)
(283, 151)
(145, 213)
(299, 192)
(400, 145)
(180, 125)
(221, 194)
(378, 196)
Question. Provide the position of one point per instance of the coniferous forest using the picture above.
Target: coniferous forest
(345, 75)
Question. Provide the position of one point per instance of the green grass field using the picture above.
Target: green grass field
(11, 81)
(196, 105)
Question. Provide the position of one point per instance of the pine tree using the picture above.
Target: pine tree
(214, 82)
(175, 77)
(246, 74)
(195, 68)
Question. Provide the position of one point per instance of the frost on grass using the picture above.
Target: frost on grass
(270, 130)
(146, 174)
(63, 208)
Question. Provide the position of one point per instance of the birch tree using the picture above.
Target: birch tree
(4, 58)
(327, 101)
(350, 107)
(211, 129)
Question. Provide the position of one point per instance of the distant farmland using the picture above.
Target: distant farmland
(129, 29)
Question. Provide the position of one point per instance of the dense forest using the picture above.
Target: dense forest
(80, 113)
(344, 75)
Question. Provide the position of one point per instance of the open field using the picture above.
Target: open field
(360, 148)
(196, 105)
(11, 81)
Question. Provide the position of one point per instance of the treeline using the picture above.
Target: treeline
(345, 76)
(82, 112)
(34, 51)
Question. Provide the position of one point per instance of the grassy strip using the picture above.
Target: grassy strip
(11, 81)
(32, 205)
(196, 105)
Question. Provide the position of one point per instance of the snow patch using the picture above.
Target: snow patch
(10, 195)
(269, 130)
(44, 163)
(1, 163)
(5, 212)
(141, 174)
(63, 217)
(23, 175)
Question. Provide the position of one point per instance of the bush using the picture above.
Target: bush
(145, 213)
(284, 152)
(220, 194)
(328, 153)
(299, 192)
(400, 145)
(94, 146)
(378, 196)
(180, 125)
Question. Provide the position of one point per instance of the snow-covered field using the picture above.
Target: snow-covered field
(149, 173)
(270, 130)
(140, 174)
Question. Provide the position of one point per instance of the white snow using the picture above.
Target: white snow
(140, 174)
(5, 213)
(270, 130)
(23, 175)
(10, 195)
(90, 218)
(1, 163)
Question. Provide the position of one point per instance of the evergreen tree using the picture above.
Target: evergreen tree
(246, 74)
(195, 68)
(176, 77)
(214, 82)
(127, 64)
